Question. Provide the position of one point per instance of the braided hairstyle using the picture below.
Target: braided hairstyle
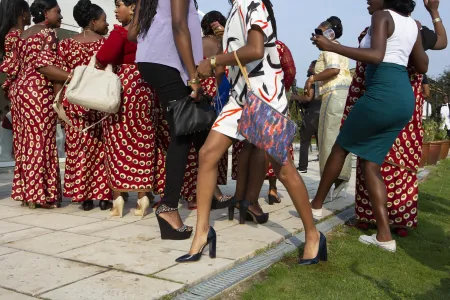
(147, 13)
(10, 10)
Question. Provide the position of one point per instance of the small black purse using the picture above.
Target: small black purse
(190, 117)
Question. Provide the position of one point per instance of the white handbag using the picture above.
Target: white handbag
(91, 88)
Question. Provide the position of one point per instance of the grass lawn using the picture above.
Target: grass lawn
(420, 269)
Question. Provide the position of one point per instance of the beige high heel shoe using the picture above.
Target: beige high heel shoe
(143, 205)
(117, 210)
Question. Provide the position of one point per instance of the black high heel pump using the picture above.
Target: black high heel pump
(211, 241)
(243, 208)
(322, 254)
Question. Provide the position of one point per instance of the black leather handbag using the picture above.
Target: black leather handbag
(190, 117)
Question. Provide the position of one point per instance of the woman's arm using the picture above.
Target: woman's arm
(133, 29)
(418, 58)
(433, 8)
(373, 55)
(112, 49)
(426, 91)
(54, 73)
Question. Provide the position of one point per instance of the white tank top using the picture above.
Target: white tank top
(401, 43)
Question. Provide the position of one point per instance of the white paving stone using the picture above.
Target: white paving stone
(206, 267)
(142, 258)
(4, 250)
(10, 212)
(94, 227)
(115, 285)
(53, 221)
(23, 234)
(130, 233)
(6, 227)
(10, 295)
(54, 243)
(35, 274)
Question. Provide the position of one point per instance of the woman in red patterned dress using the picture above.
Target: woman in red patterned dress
(85, 178)
(401, 165)
(39, 183)
(15, 15)
(130, 134)
(289, 70)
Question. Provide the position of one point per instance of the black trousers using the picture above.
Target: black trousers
(310, 126)
(169, 86)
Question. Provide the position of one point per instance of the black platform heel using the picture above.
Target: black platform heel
(211, 241)
(242, 205)
(261, 219)
(322, 255)
(167, 231)
(272, 198)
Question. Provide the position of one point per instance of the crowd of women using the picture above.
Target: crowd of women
(160, 56)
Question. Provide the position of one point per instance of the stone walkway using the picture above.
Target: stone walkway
(69, 254)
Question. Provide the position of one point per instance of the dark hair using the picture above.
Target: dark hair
(314, 62)
(39, 7)
(336, 25)
(404, 7)
(10, 10)
(84, 12)
(147, 13)
(129, 2)
(209, 18)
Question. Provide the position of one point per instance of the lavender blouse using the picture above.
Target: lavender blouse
(158, 46)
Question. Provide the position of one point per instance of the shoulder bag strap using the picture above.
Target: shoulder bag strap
(243, 70)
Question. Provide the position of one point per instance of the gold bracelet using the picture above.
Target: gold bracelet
(213, 62)
(437, 20)
(194, 81)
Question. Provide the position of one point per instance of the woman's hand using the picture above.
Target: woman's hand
(431, 5)
(205, 68)
(218, 29)
(308, 85)
(322, 43)
(197, 92)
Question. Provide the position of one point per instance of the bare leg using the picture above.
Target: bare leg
(333, 168)
(296, 188)
(255, 179)
(212, 151)
(378, 198)
(243, 171)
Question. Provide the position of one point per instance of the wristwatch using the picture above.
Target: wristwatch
(437, 20)
(213, 62)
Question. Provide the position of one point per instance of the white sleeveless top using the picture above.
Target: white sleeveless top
(401, 43)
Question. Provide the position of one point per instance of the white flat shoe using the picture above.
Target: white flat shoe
(390, 246)
(317, 213)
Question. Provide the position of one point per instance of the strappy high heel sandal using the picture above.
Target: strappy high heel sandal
(272, 198)
(117, 210)
(242, 205)
(167, 231)
(222, 202)
(211, 241)
(258, 219)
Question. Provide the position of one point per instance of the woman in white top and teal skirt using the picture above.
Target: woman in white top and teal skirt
(387, 106)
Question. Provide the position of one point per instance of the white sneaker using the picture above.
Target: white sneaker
(390, 246)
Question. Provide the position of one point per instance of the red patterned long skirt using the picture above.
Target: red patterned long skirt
(85, 177)
(37, 178)
(16, 128)
(130, 136)
(237, 148)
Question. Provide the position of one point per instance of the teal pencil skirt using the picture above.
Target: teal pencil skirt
(380, 114)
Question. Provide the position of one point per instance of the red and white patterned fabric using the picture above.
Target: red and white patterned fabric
(36, 176)
(400, 167)
(85, 176)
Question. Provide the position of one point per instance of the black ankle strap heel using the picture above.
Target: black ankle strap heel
(167, 231)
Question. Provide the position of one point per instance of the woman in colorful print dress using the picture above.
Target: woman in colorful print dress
(401, 165)
(85, 178)
(251, 32)
(130, 134)
(289, 71)
(15, 15)
(39, 183)
(333, 77)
